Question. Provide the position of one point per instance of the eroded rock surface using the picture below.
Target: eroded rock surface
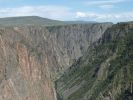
(105, 71)
(32, 56)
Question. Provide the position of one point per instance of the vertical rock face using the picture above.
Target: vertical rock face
(25, 75)
(70, 42)
(30, 57)
(105, 72)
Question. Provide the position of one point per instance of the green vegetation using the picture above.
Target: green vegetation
(35, 20)
(28, 20)
(115, 52)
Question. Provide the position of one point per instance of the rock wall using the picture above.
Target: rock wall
(31, 57)
(104, 72)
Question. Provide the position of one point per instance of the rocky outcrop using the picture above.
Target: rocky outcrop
(104, 72)
(70, 42)
(31, 57)
(24, 77)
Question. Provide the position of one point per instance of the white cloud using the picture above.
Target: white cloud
(65, 13)
(106, 6)
(86, 15)
(103, 2)
(49, 11)
(113, 17)
(81, 14)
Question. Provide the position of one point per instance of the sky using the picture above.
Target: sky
(83, 10)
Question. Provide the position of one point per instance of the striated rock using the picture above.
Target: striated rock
(31, 57)
(70, 42)
(105, 71)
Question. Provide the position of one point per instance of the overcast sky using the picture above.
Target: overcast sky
(90, 10)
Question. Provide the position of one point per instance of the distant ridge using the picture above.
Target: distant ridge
(80, 22)
(28, 20)
(36, 20)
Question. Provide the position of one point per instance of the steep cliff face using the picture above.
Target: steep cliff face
(68, 43)
(32, 56)
(23, 75)
(105, 70)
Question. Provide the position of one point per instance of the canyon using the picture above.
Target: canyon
(61, 60)
(33, 56)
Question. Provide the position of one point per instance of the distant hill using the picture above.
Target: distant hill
(80, 22)
(35, 20)
(28, 20)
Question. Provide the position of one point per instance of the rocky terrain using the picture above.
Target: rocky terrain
(32, 57)
(105, 71)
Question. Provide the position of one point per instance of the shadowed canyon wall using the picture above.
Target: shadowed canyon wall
(105, 71)
(32, 57)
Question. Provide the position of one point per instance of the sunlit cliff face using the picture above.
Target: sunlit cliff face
(32, 57)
